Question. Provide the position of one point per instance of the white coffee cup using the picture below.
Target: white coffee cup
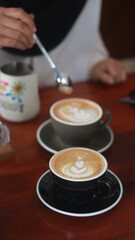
(19, 96)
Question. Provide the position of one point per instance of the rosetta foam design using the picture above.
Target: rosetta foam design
(78, 170)
(78, 164)
(77, 114)
(76, 111)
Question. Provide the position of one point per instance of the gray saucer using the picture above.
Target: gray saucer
(50, 141)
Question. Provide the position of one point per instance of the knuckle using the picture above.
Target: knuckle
(20, 25)
(20, 11)
(110, 60)
(8, 42)
(12, 43)
(15, 44)
(3, 42)
(2, 19)
(17, 35)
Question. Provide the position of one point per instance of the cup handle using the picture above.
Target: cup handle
(108, 118)
(105, 189)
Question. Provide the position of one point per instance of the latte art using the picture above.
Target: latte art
(79, 170)
(77, 163)
(76, 114)
(76, 110)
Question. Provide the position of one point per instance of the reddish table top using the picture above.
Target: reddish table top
(24, 216)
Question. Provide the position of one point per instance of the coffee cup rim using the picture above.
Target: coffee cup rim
(79, 180)
(21, 77)
(32, 72)
(73, 123)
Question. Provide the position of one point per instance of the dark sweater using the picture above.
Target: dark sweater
(53, 19)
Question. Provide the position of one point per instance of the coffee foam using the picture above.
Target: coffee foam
(76, 110)
(77, 164)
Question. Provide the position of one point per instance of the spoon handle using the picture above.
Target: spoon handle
(44, 52)
(61, 81)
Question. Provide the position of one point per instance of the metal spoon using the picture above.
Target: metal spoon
(64, 82)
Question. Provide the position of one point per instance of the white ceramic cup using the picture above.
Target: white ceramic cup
(19, 95)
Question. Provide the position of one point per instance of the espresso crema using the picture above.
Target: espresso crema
(76, 110)
(77, 164)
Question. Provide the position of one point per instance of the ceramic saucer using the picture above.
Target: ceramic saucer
(45, 191)
(50, 141)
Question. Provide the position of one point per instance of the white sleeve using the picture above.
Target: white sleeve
(100, 51)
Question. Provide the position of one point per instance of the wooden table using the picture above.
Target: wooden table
(23, 216)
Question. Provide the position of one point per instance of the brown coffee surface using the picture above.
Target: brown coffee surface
(77, 163)
(76, 110)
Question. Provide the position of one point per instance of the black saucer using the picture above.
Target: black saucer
(50, 141)
(45, 192)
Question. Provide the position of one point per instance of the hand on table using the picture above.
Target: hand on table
(16, 28)
(109, 71)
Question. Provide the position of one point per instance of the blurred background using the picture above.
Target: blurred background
(118, 30)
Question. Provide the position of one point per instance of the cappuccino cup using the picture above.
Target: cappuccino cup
(78, 174)
(75, 120)
(19, 97)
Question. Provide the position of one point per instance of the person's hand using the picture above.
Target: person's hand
(109, 71)
(16, 28)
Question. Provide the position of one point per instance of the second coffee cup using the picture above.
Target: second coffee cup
(78, 174)
(75, 120)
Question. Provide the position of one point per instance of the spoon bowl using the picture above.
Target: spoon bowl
(64, 82)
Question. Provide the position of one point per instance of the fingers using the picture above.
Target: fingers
(109, 71)
(16, 39)
(98, 74)
(16, 28)
(115, 69)
(21, 15)
(8, 42)
(15, 25)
